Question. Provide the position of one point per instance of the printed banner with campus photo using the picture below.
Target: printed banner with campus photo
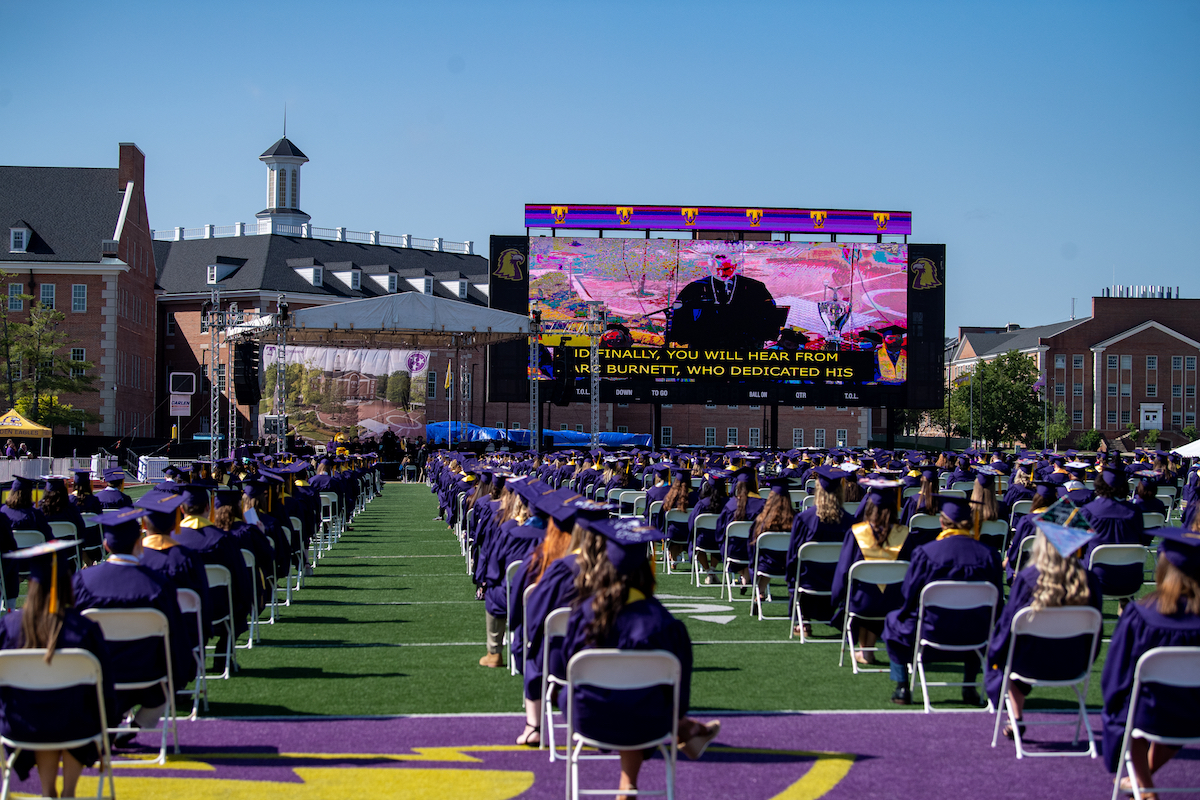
(334, 390)
(739, 309)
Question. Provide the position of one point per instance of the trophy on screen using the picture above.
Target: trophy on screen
(835, 313)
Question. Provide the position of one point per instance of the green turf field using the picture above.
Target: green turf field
(388, 624)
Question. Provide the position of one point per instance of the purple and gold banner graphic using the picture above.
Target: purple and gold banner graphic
(717, 218)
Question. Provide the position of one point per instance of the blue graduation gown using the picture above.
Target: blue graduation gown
(705, 539)
(1026, 526)
(70, 514)
(117, 585)
(111, 498)
(88, 504)
(739, 548)
(807, 527)
(1168, 711)
(638, 715)
(215, 546)
(27, 519)
(250, 537)
(1115, 522)
(184, 569)
(867, 599)
(1052, 659)
(505, 550)
(555, 590)
(655, 494)
(62, 714)
(953, 558)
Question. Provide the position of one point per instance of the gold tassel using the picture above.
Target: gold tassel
(978, 515)
(52, 606)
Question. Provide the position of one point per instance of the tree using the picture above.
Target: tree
(1190, 433)
(381, 387)
(41, 369)
(398, 389)
(1090, 440)
(999, 402)
(1150, 438)
(1059, 426)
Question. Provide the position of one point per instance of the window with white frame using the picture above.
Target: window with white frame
(819, 437)
(710, 437)
(1126, 362)
(1190, 362)
(797, 437)
(79, 298)
(47, 295)
(1176, 390)
(579, 429)
(731, 436)
(1176, 361)
(431, 385)
(1189, 418)
(562, 426)
(1060, 390)
(1077, 416)
(77, 429)
(170, 318)
(754, 438)
(1077, 362)
(818, 408)
(1151, 390)
(462, 290)
(1112, 417)
(1125, 417)
(710, 405)
(1126, 390)
(840, 437)
(1190, 391)
(355, 279)
(15, 303)
(843, 408)
(18, 240)
(1112, 362)
(1176, 419)
(294, 192)
(428, 286)
(755, 408)
(666, 438)
(622, 429)
(78, 354)
(1151, 362)
(732, 407)
(1112, 390)
(1060, 361)
(1078, 390)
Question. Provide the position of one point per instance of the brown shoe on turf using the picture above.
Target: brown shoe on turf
(492, 660)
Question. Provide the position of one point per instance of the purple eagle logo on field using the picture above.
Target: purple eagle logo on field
(417, 362)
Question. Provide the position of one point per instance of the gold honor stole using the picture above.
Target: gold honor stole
(888, 551)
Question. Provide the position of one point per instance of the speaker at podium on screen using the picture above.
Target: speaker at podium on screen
(725, 310)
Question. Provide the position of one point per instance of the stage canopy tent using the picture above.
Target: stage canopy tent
(13, 424)
(1190, 450)
(409, 320)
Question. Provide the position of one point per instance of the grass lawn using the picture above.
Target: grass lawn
(388, 624)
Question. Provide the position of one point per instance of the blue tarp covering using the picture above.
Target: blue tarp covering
(438, 433)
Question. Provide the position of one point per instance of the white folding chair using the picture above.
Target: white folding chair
(909, 491)
(555, 627)
(524, 633)
(253, 634)
(189, 606)
(1019, 508)
(882, 573)
(734, 530)
(601, 493)
(810, 484)
(703, 522)
(1023, 553)
(995, 529)
(27, 671)
(1120, 555)
(1062, 622)
(134, 624)
(962, 486)
(25, 538)
(509, 571)
(674, 515)
(796, 496)
(851, 507)
(639, 504)
(1178, 667)
(298, 534)
(1153, 519)
(809, 502)
(812, 553)
(953, 596)
(617, 670)
(954, 493)
(770, 541)
(220, 581)
(925, 522)
(89, 520)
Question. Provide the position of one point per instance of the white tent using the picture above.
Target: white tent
(407, 320)
(1190, 450)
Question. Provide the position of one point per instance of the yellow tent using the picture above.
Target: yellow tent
(13, 424)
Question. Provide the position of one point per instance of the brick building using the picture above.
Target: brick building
(79, 239)
(1133, 361)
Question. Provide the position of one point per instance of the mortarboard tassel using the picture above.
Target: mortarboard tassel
(52, 605)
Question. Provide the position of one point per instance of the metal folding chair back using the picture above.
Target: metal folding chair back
(925, 522)
(27, 670)
(962, 486)
(881, 573)
(253, 634)
(1064, 622)
(25, 538)
(1153, 519)
(1018, 508)
(1119, 555)
(190, 607)
(995, 529)
(616, 670)
(221, 581)
(812, 553)
(770, 541)
(734, 530)
(703, 522)
(953, 596)
(555, 627)
(509, 572)
(135, 624)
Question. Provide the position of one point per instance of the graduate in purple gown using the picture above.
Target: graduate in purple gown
(879, 537)
(122, 582)
(1054, 578)
(82, 496)
(551, 571)
(744, 505)
(49, 621)
(1115, 521)
(955, 555)
(1044, 496)
(1167, 617)
(924, 501)
(112, 496)
(681, 497)
(56, 505)
(1145, 493)
(621, 612)
(713, 496)
(176, 564)
(22, 514)
(227, 515)
(776, 516)
(825, 521)
(657, 492)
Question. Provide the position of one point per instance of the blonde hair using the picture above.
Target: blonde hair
(1061, 581)
(829, 504)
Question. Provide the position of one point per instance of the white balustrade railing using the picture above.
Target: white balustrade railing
(306, 231)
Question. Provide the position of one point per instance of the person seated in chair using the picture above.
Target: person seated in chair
(621, 612)
(50, 621)
(956, 555)
(1167, 617)
(825, 521)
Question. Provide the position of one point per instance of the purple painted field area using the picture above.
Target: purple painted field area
(884, 755)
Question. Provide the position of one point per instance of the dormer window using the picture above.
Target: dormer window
(462, 290)
(18, 239)
(317, 278)
(355, 280)
(429, 286)
(392, 283)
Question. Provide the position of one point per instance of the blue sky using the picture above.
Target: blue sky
(1051, 146)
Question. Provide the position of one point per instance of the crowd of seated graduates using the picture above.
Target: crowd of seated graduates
(137, 554)
(542, 511)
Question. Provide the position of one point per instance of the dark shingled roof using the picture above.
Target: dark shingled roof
(271, 262)
(69, 210)
(994, 344)
(284, 147)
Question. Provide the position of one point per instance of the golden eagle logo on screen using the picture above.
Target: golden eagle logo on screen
(818, 218)
(881, 220)
(689, 215)
(924, 274)
(560, 214)
(508, 266)
(625, 214)
(754, 215)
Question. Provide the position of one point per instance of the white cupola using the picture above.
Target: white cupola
(283, 160)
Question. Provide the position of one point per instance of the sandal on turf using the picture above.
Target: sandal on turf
(694, 747)
(1008, 729)
(531, 736)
